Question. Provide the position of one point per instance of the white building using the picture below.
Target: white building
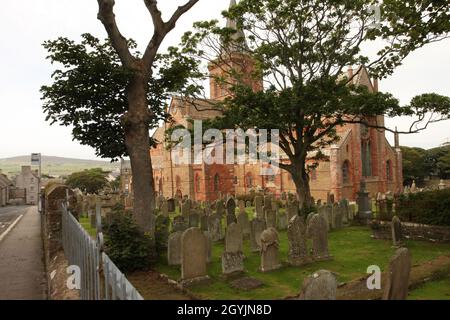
(29, 180)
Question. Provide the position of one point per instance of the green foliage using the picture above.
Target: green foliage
(88, 181)
(125, 244)
(431, 207)
(89, 91)
(301, 49)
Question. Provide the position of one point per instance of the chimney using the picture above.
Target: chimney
(375, 84)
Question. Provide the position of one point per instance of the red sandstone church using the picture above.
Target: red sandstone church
(361, 153)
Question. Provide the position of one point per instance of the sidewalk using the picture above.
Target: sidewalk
(22, 273)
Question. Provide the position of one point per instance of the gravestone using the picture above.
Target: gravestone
(231, 218)
(268, 202)
(396, 287)
(344, 210)
(271, 217)
(269, 250)
(171, 205)
(215, 227)
(194, 219)
(321, 285)
(174, 248)
(309, 216)
(364, 204)
(241, 205)
(248, 204)
(179, 224)
(298, 251)
(282, 221)
(396, 229)
(193, 256)
(233, 258)
(259, 207)
(317, 231)
(186, 208)
(323, 212)
(164, 207)
(220, 210)
(204, 223)
(257, 226)
(291, 210)
(231, 206)
(209, 245)
(338, 216)
(244, 223)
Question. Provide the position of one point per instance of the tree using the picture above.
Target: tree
(89, 180)
(415, 165)
(301, 49)
(132, 93)
(439, 161)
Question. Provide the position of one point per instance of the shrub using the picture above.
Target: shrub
(430, 207)
(125, 244)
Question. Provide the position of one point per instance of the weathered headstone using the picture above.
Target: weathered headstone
(396, 287)
(233, 258)
(396, 229)
(317, 230)
(193, 256)
(194, 219)
(257, 226)
(171, 205)
(204, 223)
(321, 285)
(244, 223)
(186, 208)
(174, 249)
(241, 204)
(164, 207)
(179, 224)
(282, 221)
(269, 250)
(298, 251)
(209, 245)
(259, 207)
(291, 210)
(215, 227)
(338, 216)
(271, 217)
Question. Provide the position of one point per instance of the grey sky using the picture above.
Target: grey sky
(23, 68)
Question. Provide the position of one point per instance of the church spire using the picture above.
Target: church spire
(238, 38)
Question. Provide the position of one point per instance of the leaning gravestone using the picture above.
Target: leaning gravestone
(174, 249)
(317, 230)
(269, 250)
(193, 256)
(396, 229)
(244, 223)
(321, 285)
(397, 284)
(298, 251)
(215, 227)
(257, 226)
(233, 258)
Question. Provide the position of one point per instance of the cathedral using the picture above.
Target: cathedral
(361, 153)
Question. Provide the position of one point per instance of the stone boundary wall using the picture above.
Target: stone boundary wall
(413, 231)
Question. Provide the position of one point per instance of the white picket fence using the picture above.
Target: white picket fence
(100, 277)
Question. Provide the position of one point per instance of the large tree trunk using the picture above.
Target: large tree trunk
(137, 143)
(301, 181)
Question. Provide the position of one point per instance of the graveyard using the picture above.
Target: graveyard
(351, 249)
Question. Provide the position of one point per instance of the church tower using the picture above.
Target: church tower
(233, 65)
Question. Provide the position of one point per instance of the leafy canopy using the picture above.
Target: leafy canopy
(89, 90)
(89, 181)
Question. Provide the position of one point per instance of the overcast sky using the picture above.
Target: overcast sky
(27, 24)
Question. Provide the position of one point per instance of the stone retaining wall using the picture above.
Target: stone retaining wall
(413, 231)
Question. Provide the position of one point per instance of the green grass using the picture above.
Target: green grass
(433, 290)
(86, 224)
(353, 250)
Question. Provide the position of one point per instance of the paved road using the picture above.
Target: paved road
(8, 215)
(22, 272)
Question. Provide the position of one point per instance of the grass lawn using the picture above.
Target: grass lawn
(84, 221)
(353, 250)
(433, 290)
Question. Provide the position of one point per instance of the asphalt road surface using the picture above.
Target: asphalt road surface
(22, 272)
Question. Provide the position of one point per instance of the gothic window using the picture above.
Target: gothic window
(346, 172)
(389, 170)
(178, 182)
(249, 180)
(197, 183)
(216, 182)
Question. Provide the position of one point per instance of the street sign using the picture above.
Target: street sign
(35, 159)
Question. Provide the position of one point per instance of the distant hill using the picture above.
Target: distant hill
(55, 166)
